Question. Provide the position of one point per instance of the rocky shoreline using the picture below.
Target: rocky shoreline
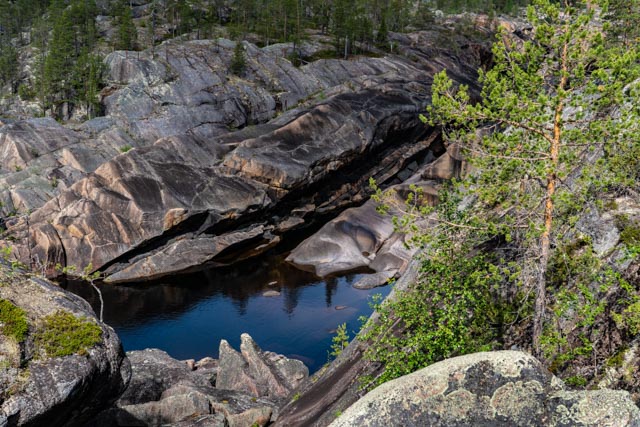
(193, 167)
(105, 387)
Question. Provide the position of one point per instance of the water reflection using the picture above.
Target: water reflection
(187, 315)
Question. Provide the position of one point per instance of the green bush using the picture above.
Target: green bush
(451, 311)
(26, 92)
(629, 230)
(576, 381)
(340, 341)
(13, 321)
(63, 334)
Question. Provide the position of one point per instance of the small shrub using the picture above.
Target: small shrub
(26, 93)
(629, 319)
(576, 381)
(617, 359)
(125, 148)
(630, 231)
(13, 321)
(340, 341)
(63, 334)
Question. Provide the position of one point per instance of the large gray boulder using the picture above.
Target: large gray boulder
(504, 388)
(36, 389)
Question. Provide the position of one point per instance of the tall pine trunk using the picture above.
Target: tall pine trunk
(545, 239)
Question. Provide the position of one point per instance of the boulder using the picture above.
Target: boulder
(497, 388)
(362, 237)
(346, 243)
(153, 372)
(241, 389)
(256, 372)
(375, 280)
(448, 166)
(66, 390)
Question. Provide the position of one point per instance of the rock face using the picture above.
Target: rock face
(194, 185)
(40, 158)
(258, 373)
(499, 388)
(362, 237)
(238, 390)
(54, 391)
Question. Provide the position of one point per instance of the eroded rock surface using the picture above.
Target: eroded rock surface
(499, 388)
(362, 237)
(193, 184)
(54, 391)
(39, 158)
(256, 372)
(239, 390)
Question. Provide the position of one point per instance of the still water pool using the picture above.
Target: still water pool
(188, 315)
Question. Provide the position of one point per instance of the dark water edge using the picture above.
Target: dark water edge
(188, 315)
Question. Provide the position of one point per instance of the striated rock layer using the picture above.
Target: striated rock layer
(205, 194)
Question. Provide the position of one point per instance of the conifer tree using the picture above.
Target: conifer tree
(550, 102)
(127, 33)
(624, 17)
(238, 61)
(8, 64)
(59, 61)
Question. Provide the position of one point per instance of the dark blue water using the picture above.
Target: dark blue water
(188, 315)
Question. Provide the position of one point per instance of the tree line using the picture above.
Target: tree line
(68, 71)
(64, 31)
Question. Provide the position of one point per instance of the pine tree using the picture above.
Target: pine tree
(238, 61)
(59, 62)
(8, 65)
(383, 32)
(549, 103)
(127, 33)
(624, 17)
(87, 81)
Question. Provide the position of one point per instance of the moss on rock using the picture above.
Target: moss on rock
(13, 321)
(63, 334)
